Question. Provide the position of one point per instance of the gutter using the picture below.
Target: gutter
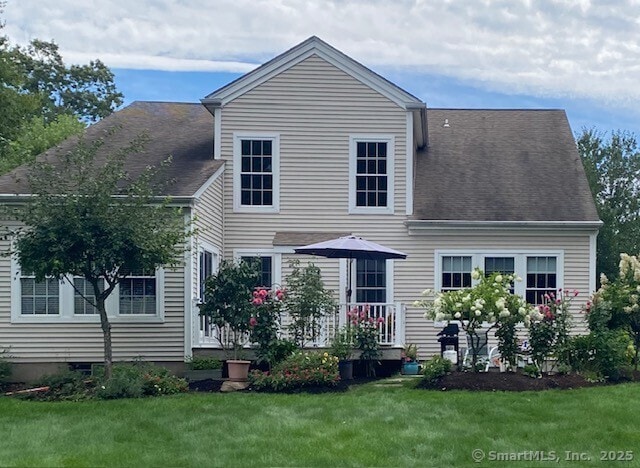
(462, 225)
(10, 198)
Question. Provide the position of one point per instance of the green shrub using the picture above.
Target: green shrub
(300, 370)
(63, 386)
(604, 354)
(433, 369)
(532, 371)
(138, 380)
(204, 363)
(6, 368)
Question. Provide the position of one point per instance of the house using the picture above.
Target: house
(307, 147)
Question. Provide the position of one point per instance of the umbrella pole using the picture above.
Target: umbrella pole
(349, 269)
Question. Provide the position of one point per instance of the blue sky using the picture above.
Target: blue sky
(579, 55)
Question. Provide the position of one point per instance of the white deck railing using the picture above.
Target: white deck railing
(389, 319)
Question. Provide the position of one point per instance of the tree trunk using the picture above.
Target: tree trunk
(106, 335)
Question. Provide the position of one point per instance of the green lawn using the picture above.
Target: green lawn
(366, 426)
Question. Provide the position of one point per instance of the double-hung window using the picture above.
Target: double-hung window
(265, 264)
(371, 161)
(371, 281)
(455, 272)
(542, 278)
(256, 173)
(83, 288)
(39, 297)
(138, 294)
(207, 266)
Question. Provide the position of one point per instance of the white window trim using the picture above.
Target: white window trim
(520, 266)
(202, 247)
(276, 261)
(67, 312)
(377, 138)
(237, 170)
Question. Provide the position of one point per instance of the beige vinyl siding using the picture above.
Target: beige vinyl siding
(209, 225)
(314, 107)
(80, 342)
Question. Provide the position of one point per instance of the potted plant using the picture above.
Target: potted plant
(410, 359)
(342, 348)
(203, 368)
(229, 295)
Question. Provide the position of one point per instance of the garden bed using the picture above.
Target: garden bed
(510, 381)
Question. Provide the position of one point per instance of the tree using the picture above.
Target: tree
(612, 166)
(38, 91)
(228, 302)
(74, 227)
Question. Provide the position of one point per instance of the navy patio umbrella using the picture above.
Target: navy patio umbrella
(350, 247)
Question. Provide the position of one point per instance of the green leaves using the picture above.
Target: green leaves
(612, 166)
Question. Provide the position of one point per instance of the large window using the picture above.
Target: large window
(371, 281)
(540, 271)
(138, 294)
(137, 298)
(39, 297)
(371, 185)
(256, 179)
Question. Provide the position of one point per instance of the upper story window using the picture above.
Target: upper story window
(256, 177)
(371, 174)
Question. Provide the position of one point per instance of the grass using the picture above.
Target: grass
(367, 426)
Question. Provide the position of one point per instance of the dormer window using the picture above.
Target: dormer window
(256, 174)
(371, 174)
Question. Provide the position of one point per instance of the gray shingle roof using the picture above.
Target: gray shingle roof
(184, 131)
(300, 238)
(501, 165)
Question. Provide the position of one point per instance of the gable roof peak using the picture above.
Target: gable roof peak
(298, 53)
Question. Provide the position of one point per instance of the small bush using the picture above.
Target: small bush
(6, 369)
(603, 354)
(300, 370)
(433, 369)
(64, 386)
(204, 363)
(139, 380)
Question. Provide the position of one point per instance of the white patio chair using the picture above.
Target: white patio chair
(487, 356)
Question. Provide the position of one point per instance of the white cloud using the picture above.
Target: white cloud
(555, 48)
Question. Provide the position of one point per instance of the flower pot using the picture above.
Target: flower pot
(238, 370)
(202, 374)
(346, 370)
(410, 368)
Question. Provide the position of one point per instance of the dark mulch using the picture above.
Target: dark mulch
(509, 381)
(209, 385)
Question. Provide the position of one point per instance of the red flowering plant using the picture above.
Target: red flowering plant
(264, 322)
(366, 331)
(549, 328)
(301, 369)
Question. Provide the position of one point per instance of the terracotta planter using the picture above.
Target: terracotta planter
(238, 370)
